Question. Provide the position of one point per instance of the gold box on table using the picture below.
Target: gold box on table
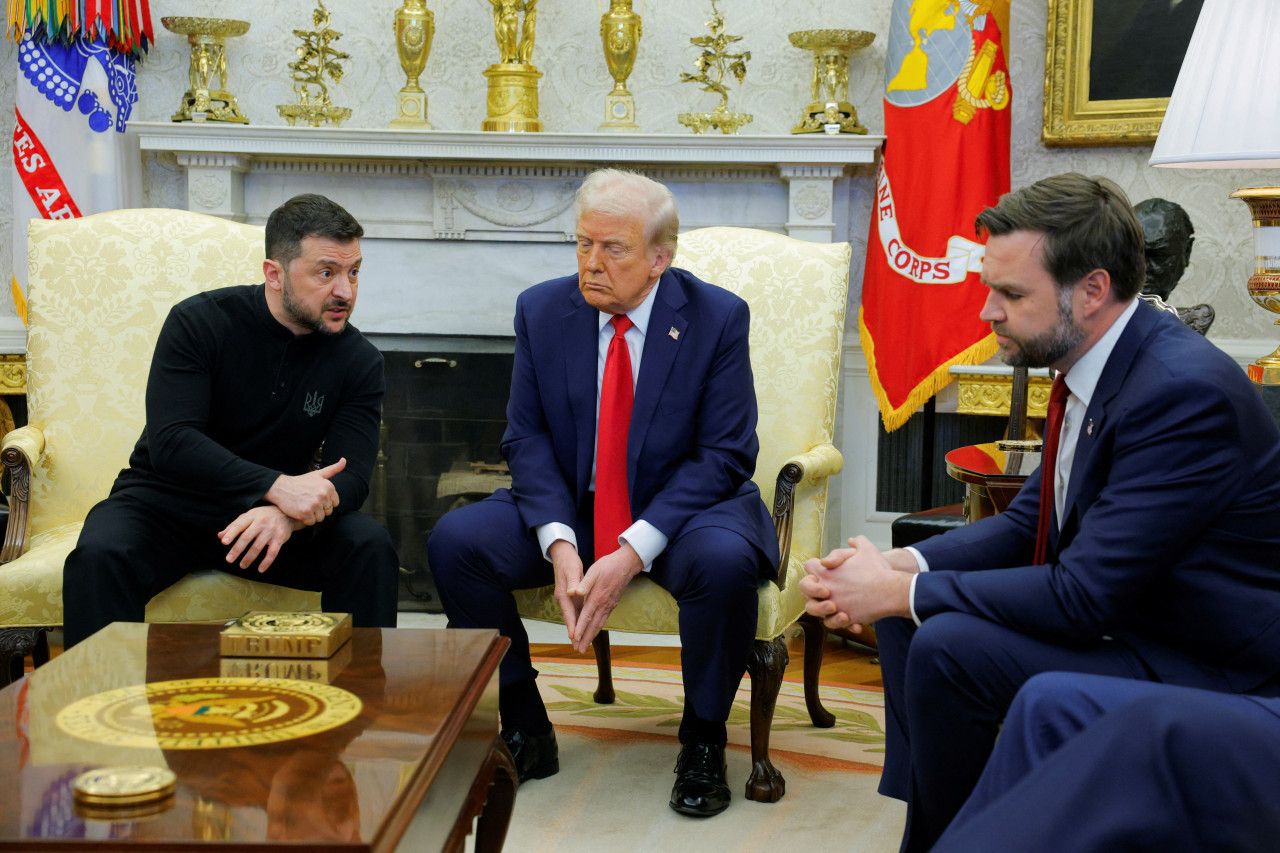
(262, 634)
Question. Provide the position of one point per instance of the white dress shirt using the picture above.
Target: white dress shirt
(1081, 380)
(646, 539)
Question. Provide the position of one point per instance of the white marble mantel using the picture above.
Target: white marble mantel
(434, 203)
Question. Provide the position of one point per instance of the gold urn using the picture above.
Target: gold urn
(1264, 283)
(620, 30)
(415, 27)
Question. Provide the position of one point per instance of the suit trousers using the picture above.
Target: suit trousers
(480, 553)
(947, 686)
(129, 551)
(1087, 764)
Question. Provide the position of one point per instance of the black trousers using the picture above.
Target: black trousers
(129, 551)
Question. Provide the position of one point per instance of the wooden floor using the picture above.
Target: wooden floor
(843, 662)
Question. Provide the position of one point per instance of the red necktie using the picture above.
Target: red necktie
(1049, 463)
(613, 503)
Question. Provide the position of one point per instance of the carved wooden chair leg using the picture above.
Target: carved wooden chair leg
(40, 652)
(815, 639)
(766, 666)
(604, 669)
(15, 645)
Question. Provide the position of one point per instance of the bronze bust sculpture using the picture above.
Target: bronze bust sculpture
(1169, 235)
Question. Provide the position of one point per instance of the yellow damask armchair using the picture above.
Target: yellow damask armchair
(797, 292)
(99, 290)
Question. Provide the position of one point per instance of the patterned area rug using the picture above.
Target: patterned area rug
(650, 700)
(616, 761)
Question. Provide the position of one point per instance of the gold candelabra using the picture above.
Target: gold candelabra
(620, 31)
(317, 59)
(713, 63)
(201, 102)
(415, 27)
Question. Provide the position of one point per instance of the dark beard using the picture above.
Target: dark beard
(1050, 347)
(298, 314)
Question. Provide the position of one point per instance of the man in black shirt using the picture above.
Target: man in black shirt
(248, 387)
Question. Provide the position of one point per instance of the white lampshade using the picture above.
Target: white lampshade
(1225, 109)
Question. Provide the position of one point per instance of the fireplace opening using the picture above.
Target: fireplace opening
(443, 417)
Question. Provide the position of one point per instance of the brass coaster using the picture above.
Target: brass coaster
(209, 713)
(126, 785)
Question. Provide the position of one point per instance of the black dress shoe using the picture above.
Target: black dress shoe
(700, 789)
(536, 756)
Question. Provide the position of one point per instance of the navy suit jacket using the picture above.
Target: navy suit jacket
(1170, 539)
(691, 448)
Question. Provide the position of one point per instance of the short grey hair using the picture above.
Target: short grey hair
(614, 192)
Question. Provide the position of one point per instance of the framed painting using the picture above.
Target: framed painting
(1110, 66)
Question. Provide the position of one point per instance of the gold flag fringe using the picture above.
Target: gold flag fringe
(930, 385)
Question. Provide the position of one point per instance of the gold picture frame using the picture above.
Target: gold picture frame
(1071, 116)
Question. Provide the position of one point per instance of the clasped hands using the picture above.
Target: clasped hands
(855, 586)
(587, 598)
(293, 502)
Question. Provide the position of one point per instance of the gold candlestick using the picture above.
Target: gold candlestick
(830, 87)
(513, 81)
(208, 57)
(415, 26)
(620, 31)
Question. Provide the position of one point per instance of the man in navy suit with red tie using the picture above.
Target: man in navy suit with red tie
(631, 442)
(1149, 554)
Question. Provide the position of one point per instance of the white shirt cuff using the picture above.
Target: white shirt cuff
(911, 600)
(647, 540)
(924, 566)
(920, 560)
(549, 533)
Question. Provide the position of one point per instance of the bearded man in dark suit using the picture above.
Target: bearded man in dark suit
(1149, 554)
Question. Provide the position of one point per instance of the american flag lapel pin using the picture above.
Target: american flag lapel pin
(674, 333)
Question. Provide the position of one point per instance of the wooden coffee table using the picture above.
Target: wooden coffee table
(410, 764)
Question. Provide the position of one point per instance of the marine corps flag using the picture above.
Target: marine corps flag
(946, 158)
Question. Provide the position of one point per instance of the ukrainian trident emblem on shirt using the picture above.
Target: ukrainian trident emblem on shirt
(313, 404)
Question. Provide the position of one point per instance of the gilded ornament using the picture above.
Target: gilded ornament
(317, 59)
(512, 103)
(414, 28)
(201, 101)
(620, 30)
(829, 87)
(713, 63)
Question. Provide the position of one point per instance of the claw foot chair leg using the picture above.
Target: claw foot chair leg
(767, 664)
(604, 669)
(815, 638)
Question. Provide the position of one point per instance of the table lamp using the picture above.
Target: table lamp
(1224, 114)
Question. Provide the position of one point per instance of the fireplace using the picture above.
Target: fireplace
(442, 422)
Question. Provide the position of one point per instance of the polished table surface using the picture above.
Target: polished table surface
(404, 770)
(992, 476)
